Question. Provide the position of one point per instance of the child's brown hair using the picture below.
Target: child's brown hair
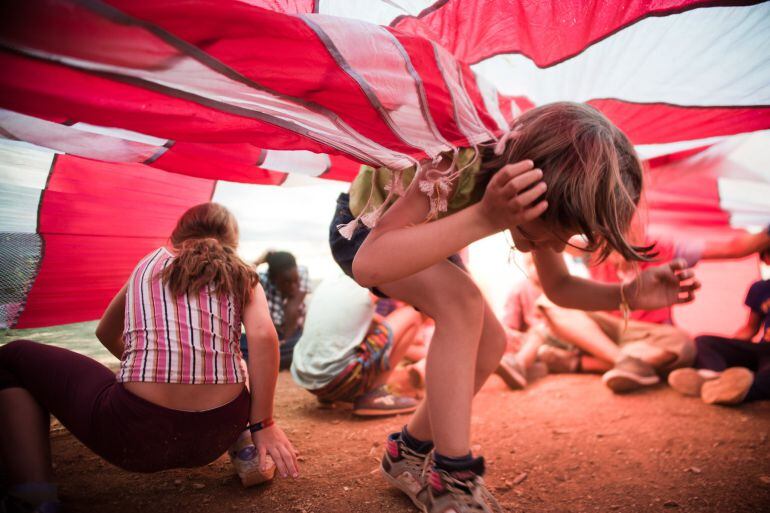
(206, 237)
(593, 174)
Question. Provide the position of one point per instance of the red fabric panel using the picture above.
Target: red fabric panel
(256, 42)
(656, 123)
(342, 168)
(439, 98)
(231, 162)
(285, 6)
(97, 220)
(684, 194)
(506, 102)
(472, 88)
(546, 32)
(50, 90)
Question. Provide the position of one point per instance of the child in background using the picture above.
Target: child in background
(582, 177)
(285, 284)
(179, 398)
(347, 351)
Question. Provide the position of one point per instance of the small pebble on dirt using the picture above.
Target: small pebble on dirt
(198, 486)
(670, 504)
(177, 482)
(520, 478)
(764, 480)
(693, 470)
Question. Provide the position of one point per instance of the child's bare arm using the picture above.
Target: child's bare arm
(656, 287)
(109, 331)
(401, 244)
(263, 374)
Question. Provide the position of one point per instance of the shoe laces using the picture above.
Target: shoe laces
(417, 462)
(479, 499)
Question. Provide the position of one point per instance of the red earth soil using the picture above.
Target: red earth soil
(564, 444)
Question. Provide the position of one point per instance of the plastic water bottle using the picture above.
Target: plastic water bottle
(245, 458)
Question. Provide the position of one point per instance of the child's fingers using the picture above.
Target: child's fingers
(523, 200)
(695, 285)
(534, 212)
(678, 265)
(524, 180)
(507, 172)
(278, 459)
(290, 460)
(262, 458)
(687, 298)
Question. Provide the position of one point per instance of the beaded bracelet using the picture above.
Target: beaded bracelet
(625, 308)
(262, 424)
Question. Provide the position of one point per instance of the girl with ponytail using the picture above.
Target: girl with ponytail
(179, 398)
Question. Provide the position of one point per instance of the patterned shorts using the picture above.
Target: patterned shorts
(370, 361)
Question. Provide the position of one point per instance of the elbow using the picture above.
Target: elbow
(100, 334)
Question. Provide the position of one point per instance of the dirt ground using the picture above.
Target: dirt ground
(565, 444)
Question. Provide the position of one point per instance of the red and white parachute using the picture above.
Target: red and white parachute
(117, 115)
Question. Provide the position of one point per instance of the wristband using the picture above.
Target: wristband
(262, 424)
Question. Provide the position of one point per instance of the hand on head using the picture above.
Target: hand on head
(509, 197)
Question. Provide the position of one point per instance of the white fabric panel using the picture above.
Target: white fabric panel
(709, 57)
(381, 12)
(120, 133)
(649, 151)
(492, 102)
(302, 162)
(392, 85)
(748, 201)
(24, 171)
(190, 76)
(68, 139)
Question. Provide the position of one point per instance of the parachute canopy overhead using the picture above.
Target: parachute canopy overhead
(116, 116)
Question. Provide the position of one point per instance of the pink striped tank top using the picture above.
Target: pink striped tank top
(189, 339)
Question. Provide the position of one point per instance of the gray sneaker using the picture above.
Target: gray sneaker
(512, 372)
(404, 468)
(380, 402)
(630, 374)
(457, 492)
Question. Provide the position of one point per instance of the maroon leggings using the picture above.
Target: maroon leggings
(124, 429)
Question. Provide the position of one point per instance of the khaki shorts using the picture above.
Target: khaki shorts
(639, 336)
(637, 339)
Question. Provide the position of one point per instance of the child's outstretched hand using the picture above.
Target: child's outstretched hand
(273, 440)
(661, 286)
(507, 202)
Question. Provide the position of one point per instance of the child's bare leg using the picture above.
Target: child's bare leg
(404, 322)
(451, 298)
(593, 365)
(416, 352)
(24, 444)
(577, 328)
(528, 352)
(491, 348)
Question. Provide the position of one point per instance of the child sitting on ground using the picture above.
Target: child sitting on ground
(347, 351)
(179, 398)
